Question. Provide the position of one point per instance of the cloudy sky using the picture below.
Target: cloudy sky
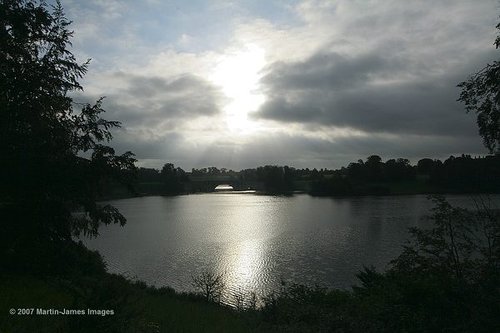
(238, 84)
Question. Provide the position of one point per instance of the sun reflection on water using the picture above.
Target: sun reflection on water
(244, 261)
(256, 241)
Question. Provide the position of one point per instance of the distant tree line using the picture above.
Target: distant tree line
(454, 175)
(463, 174)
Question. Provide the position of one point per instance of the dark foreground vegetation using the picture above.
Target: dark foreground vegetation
(84, 284)
(447, 279)
(56, 165)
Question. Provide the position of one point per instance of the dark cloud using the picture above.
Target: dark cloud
(153, 101)
(328, 71)
(372, 93)
(147, 144)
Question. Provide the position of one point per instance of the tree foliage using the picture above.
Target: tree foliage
(446, 280)
(481, 95)
(54, 154)
(173, 179)
(463, 244)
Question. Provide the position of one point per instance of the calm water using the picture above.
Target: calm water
(257, 240)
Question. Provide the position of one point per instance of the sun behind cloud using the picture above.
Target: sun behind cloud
(238, 73)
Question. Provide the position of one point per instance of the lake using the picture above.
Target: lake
(257, 240)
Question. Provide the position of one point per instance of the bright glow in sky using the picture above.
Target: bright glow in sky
(309, 83)
(238, 73)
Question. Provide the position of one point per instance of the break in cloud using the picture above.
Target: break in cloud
(304, 83)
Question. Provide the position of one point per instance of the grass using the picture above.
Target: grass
(25, 292)
(137, 308)
(173, 314)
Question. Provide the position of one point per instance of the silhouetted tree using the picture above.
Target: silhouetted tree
(148, 175)
(173, 179)
(373, 167)
(481, 95)
(54, 161)
(276, 179)
(356, 171)
(210, 285)
(336, 185)
(445, 280)
(398, 170)
(425, 166)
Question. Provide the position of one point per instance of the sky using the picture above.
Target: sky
(239, 84)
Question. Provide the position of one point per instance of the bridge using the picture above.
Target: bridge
(208, 183)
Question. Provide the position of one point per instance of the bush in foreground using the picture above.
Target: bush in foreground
(445, 280)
